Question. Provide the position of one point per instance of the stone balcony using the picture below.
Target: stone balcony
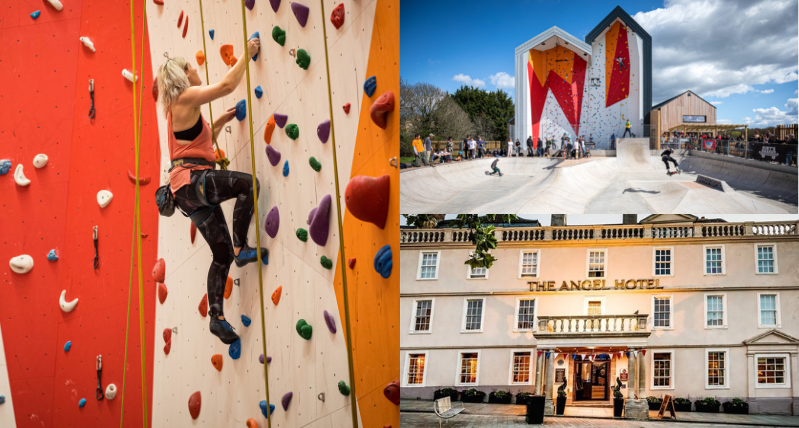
(592, 326)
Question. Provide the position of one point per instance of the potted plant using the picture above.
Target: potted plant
(618, 399)
(736, 406)
(446, 392)
(523, 397)
(561, 403)
(682, 404)
(654, 402)
(708, 405)
(472, 396)
(500, 397)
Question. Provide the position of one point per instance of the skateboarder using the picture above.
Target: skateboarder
(494, 167)
(666, 157)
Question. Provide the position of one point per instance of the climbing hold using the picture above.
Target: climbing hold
(56, 4)
(272, 222)
(279, 36)
(315, 164)
(66, 306)
(286, 169)
(167, 347)
(192, 231)
(241, 109)
(159, 271)
(211, 33)
(2, 399)
(331, 322)
(273, 155)
(391, 391)
(245, 320)
(252, 423)
(88, 43)
(249, 3)
(217, 362)
(5, 166)
(276, 295)
(367, 198)
(293, 131)
(167, 340)
(142, 181)
(380, 109)
(52, 256)
(200, 57)
(319, 221)
(347, 108)
(303, 59)
(261, 358)
(302, 235)
(155, 88)
(383, 261)
(19, 176)
(186, 27)
(326, 263)
(370, 85)
(275, 4)
(195, 402)
(159, 2)
(227, 53)
(21, 264)
(286, 400)
(323, 131)
(280, 119)
(304, 329)
(180, 19)
(337, 17)
(128, 75)
(352, 263)
(343, 388)
(162, 292)
(203, 307)
(263, 406)
(111, 391)
(36, 14)
(68, 346)
(228, 287)
(104, 198)
(255, 35)
(259, 92)
(82, 402)
(235, 350)
(300, 12)
(270, 127)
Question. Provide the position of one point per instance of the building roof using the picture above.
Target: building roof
(555, 37)
(617, 13)
(678, 96)
(678, 218)
(519, 222)
(690, 127)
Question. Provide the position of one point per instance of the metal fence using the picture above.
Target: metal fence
(735, 148)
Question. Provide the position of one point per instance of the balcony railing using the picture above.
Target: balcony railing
(592, 324)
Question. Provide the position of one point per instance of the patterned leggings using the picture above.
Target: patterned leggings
(219, 187)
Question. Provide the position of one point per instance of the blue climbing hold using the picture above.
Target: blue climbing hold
(383, 263)
(68, 346)
(286, 169)
(36, 14)
(52, 256)
(259, 92)
(255, 35)
(211, 33)
(262, 405)
(235, 350)
(82, 402)
(245, 320)
(2, 399)
(5, 166)
(241, 110)
(370, 85)
(265, 258)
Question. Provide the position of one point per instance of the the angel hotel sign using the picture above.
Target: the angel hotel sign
(595, 284)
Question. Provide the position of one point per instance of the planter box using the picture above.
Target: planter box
(453, 396)
(682, 407)
(736, 410)
(474, 398)
(493, 399)
(618, 407)
(520, 399)
(535, 410)
(704, 408)
(561, 405)
(654, 405)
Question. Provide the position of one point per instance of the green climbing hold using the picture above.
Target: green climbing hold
(302, 235)
(315, 164)
(305, 330)
(303, 59)
(343, 388)
(293, 131)
(327, 263)
(279, 36)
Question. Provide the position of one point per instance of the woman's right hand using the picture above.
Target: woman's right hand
(253, 46)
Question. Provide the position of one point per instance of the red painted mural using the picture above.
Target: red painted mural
(562, 71)
(617, 64)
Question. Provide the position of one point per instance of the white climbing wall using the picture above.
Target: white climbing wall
(306, 368)
(6, 410)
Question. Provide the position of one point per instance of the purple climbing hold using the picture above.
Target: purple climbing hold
(331, 322)
(261, 358)
(286, 400)
(301, 12)
(249, 3)
(323, 131)
(273, 155)
(275, 4)
(272, 221)
(281, 119)
(320, 222)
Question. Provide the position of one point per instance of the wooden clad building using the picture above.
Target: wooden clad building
(686, 108)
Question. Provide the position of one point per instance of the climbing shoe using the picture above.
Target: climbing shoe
(248, 255)
(223, 330)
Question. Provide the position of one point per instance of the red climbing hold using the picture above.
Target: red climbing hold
(180, 19)
(347, 108)
(159, 2)
(142, 181)
(168, 340)
(381, 108)
(168, 347)
(270, 127)
(155, 89)
(252, 423)
(337, 17)
(144, 235)
(352, 263)
(217, 361)
(193, 231)
(186, 27)
(276, 295)
(367, 198)
(228, 287)
(203, 308)
(391, 392)
(195, 401)
(162, 292)
(159, 271)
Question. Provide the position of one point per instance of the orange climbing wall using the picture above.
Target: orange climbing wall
(44, 104)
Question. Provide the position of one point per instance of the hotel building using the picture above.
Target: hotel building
(672, 304)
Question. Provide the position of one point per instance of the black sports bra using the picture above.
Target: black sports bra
(191, 133)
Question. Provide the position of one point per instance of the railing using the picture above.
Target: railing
(787, 153)
(586, 324)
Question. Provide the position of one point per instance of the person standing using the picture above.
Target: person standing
(428, 147)
(510, 146)
(465, 145)
(613, 141)
(578, 148)
(449, 145)
(418, 152)
(529, 142)
(627, 130)
(481, 147)
(472, 148)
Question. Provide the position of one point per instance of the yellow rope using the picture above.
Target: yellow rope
(342, 258)
(246, 58)
(223, 165)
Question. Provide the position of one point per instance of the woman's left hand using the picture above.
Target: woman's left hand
(227, 116)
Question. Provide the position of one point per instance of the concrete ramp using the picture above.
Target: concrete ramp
(633, 154)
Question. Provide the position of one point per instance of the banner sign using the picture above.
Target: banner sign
(694, 119)
(772, 152)
(595, 284)
(709, 144)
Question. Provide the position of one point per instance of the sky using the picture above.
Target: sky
(590, 219)
(740, 55)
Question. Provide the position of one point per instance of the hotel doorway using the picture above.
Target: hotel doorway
(591, 380)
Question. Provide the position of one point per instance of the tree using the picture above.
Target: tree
(497, 107)
(484, 127)
(418, 103)
(450, 120)
(482, 236)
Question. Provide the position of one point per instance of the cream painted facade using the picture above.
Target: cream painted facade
(727, 334)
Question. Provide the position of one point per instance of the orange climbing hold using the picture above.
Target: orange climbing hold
(228, 287)
(227, 52)
(162, 292)
(270, 127)
(381, 108)
(252, 423)
(217, 361)
(203, 308)
(217, 156)
(200, 58)
(193, 232)
(276, 295)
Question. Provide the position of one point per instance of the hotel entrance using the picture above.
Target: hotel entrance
(591, 380)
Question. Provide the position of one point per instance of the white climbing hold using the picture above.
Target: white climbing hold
(66, 306)
(21, 264)
(104, 198)
(40, 160)
(111, 391)
(88, 43)
(56, 4)
(128, 75)
(19, 176)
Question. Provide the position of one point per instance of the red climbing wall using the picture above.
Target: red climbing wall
(44, 105)
(562, 71)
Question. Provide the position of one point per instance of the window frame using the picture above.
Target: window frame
(407, 368)
(787, 384)
(760, 308)
(723, 309)
(465, 311)
(516, 328)
(672, 378)
(601, 300)
(726, 352)
(654, 261)
(774, 249)
(458, 368)
(671, 311)
(723, 259)
(469, 270)
(588, 263)
(521, 257)
(412, 328)
(419, 268)
(532, 363)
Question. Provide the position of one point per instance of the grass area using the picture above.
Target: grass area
(406, 160)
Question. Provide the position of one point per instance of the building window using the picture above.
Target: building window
(714, 260)
(663, 370)
(528, 263)
(715, 311)
(663, 261)
(662, 310)
(473, 315)
(520, 368)
(596, 263)
(768, 309)
(416, 368)
(717, 370)
(766, 258)
(525, 314)
(469, 362)
(594, 307)
(773, 371)
(423, 316)
(477, 273)
(428, 264)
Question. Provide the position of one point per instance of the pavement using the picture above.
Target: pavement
(634, 181)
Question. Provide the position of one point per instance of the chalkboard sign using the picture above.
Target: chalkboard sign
(559, 375)
(668, 404)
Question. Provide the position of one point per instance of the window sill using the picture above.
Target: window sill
(766, 273)
(420, 332)
(770, 326)
(524, 330)
(716, 387)
(413, 386)
(427, 279)
(481, 278)
(759, 386)
(467, 384)
(718, 327)
(522, 383)
(662, 328)
(471, 331)
(662, 388)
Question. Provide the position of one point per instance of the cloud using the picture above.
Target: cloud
(502, 80)
(767, 91)
(715, 103)
(724, 122)
(773, 116)
(466, 80)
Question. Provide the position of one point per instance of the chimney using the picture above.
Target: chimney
(629, 219)
(558, 220)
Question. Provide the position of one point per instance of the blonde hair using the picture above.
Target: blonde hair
(172, 81)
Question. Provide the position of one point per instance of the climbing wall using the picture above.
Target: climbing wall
(44, 105)
(310, 370)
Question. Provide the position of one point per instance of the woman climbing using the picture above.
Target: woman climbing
(197, 187)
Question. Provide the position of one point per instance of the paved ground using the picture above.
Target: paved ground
(426, 420)
(632, 182)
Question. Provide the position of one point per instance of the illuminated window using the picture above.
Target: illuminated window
(716, 369)
(416, 369)
(662, 369)
(596, 263)
(594, 307)
(772, 370)
(521, 368)
(525, 319)
(468, 368)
